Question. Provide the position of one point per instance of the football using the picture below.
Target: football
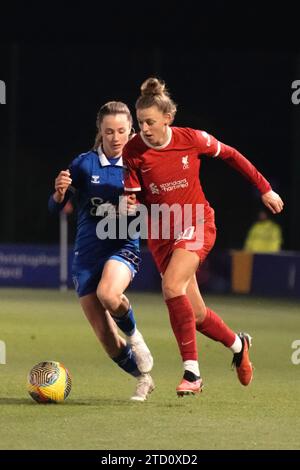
(49, 382)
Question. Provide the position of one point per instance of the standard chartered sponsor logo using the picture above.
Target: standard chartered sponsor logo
(153, 188)
(174, 185)
(167, 187)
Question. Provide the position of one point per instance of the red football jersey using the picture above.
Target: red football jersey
(170, 174)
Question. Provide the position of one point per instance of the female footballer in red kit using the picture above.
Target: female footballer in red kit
(163, 165)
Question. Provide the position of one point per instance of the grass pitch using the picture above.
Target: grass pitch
(48, 325)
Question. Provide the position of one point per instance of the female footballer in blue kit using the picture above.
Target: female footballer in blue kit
(103, 268)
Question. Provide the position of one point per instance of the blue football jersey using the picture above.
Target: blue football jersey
(98, 183)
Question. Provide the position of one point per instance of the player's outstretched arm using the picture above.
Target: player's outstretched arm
(209, 145)
(273, 202)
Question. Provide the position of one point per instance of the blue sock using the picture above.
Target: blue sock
(126, 323)
(126, 361)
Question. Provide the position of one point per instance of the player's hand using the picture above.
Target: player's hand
(273, 202)
(131, 204)
(62, 182)
(128, 205)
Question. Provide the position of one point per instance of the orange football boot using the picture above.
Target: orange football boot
(241, 361)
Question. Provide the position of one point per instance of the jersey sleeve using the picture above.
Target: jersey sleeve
(76, 172)
(209, 145)
(131, 179)
(76, 175)
(240, 163)
(55, 207)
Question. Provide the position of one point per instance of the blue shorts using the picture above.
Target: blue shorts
(86, 279)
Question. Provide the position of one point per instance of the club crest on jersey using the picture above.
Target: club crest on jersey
(185, 162)
(95, 179)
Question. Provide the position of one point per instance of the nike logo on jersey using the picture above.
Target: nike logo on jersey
(95, 179)
(145, 170)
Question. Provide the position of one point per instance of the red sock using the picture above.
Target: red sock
(214, 327)
(183, 324)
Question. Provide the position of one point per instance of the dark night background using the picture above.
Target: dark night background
(229, 68)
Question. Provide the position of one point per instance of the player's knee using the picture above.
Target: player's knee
(171, 289)
(108, 298)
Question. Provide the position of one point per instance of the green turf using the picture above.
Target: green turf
(47, 325)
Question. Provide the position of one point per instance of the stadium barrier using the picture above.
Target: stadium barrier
(31, 266)
(40, 266)
(270, 274)
(44, 266)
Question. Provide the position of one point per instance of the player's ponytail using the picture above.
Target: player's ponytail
(153, 86)
(154, 93)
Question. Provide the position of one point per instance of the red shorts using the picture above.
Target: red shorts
(200, 243)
